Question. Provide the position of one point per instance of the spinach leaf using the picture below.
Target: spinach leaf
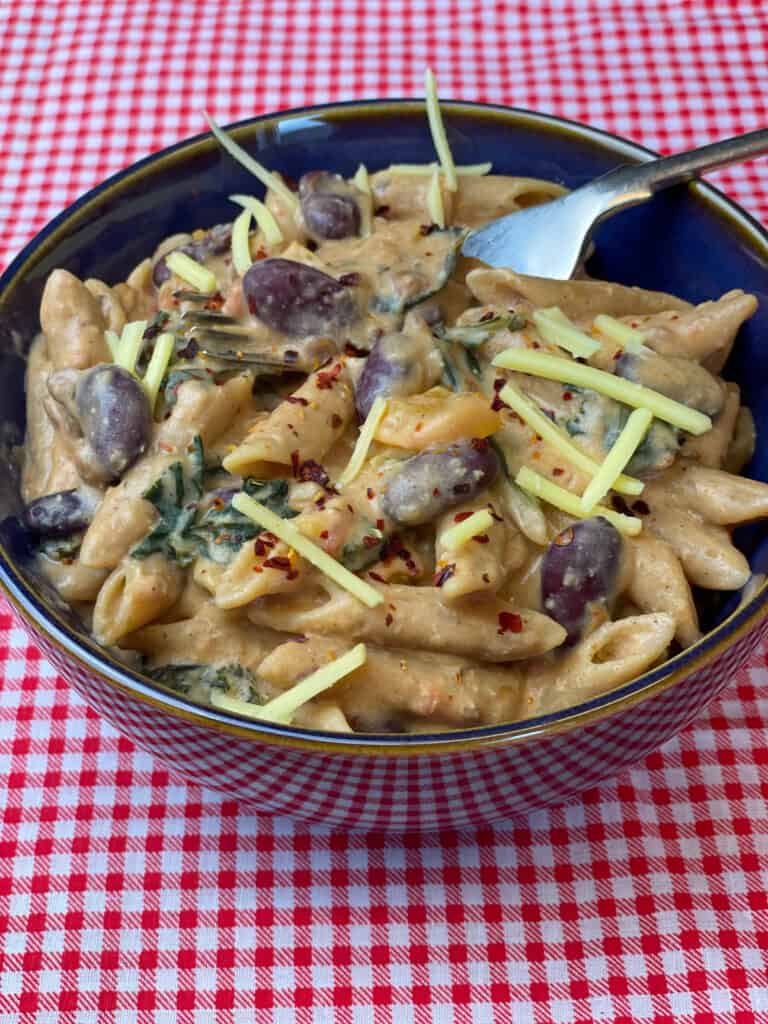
(184, 531)
(62, 549)
(237, 680)
(363, 547)
(175, 378)
(474, 335)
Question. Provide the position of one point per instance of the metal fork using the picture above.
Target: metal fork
(551, 240)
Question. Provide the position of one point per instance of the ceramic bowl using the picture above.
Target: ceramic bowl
(693, 242)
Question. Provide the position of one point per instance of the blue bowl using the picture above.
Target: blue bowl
(691, 241)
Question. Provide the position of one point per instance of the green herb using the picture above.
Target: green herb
(474, 335)
(235, 679)
(62, 549)
(656, 451)
(363, 547)
(184, 532)
(450, 377)
(420, 274)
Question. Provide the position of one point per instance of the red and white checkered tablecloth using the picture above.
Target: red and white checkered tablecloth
(128, 895)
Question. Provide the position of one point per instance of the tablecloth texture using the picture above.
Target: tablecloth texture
(129, 895)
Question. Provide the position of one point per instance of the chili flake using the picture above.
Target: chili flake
(509, 622)
(461, 516)
(297, 400)
(481, 538)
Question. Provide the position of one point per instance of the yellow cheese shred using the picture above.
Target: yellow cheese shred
(263, 217)
(364, 440)
(462, 170)
(437, 128)
(282, 708)
(617, 458)
(537, 485)
(158, 364)
(130, 343)
(620, 333)
(362, 183)
(556, 329)
(113, 342)
(435, 206)
(191, 271)
(283, 529)
(541, 364)
(267, 178)
(457, 536)
(558, 438)
(241, 246)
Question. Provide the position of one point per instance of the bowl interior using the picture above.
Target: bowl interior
(689, 241)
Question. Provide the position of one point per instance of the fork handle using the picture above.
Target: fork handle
(631, 184)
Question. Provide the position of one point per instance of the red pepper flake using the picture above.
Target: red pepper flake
(620, 504)
(371, 542)
(313, 472)
(324, 535)
(379, 524)
(497, 404)
(461, 516)
(350, 509)
(536, 344)
(509, 622)
(515, 416)
(218, 503)
(259, 547)
(617, 354)
(486, 578)
(336, 421)
(389, 619)
(295, 462)
(320, 502)
(557, 471)
(377, 577)
(436, 492)
(278, 562)
(381, 211)
(481, 538)
(411, 566)
(567, 396)
(257, 568)
(480, 444)
(292, 575)
(297, 400)
(641, 507)
(427, 229)
(565, 538)
(444, 574)
(325, 378)
(269, 538)
(498, 384)
(370, 493)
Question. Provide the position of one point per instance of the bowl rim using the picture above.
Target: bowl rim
(43, 617)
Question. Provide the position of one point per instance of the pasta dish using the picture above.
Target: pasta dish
(314, 467)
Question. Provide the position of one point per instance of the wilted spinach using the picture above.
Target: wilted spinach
(184, 531)
(236, 680)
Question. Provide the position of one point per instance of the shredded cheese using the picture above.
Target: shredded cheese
(435, 206)
(113, 342)
(556, 329)
(362, 183)
(191, 271)
(620, 333)
(437, 128)
(282, 708)
(365, 438)
(457, 536)
(541, 364)
(537, 485)
(241, 246)
(624, 448)
(283, 529)
(558, 438)
(263, 216)
(267, 178)
(467, 170)
(158, 364)
(130, 344)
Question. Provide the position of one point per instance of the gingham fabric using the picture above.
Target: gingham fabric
(127, 895)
